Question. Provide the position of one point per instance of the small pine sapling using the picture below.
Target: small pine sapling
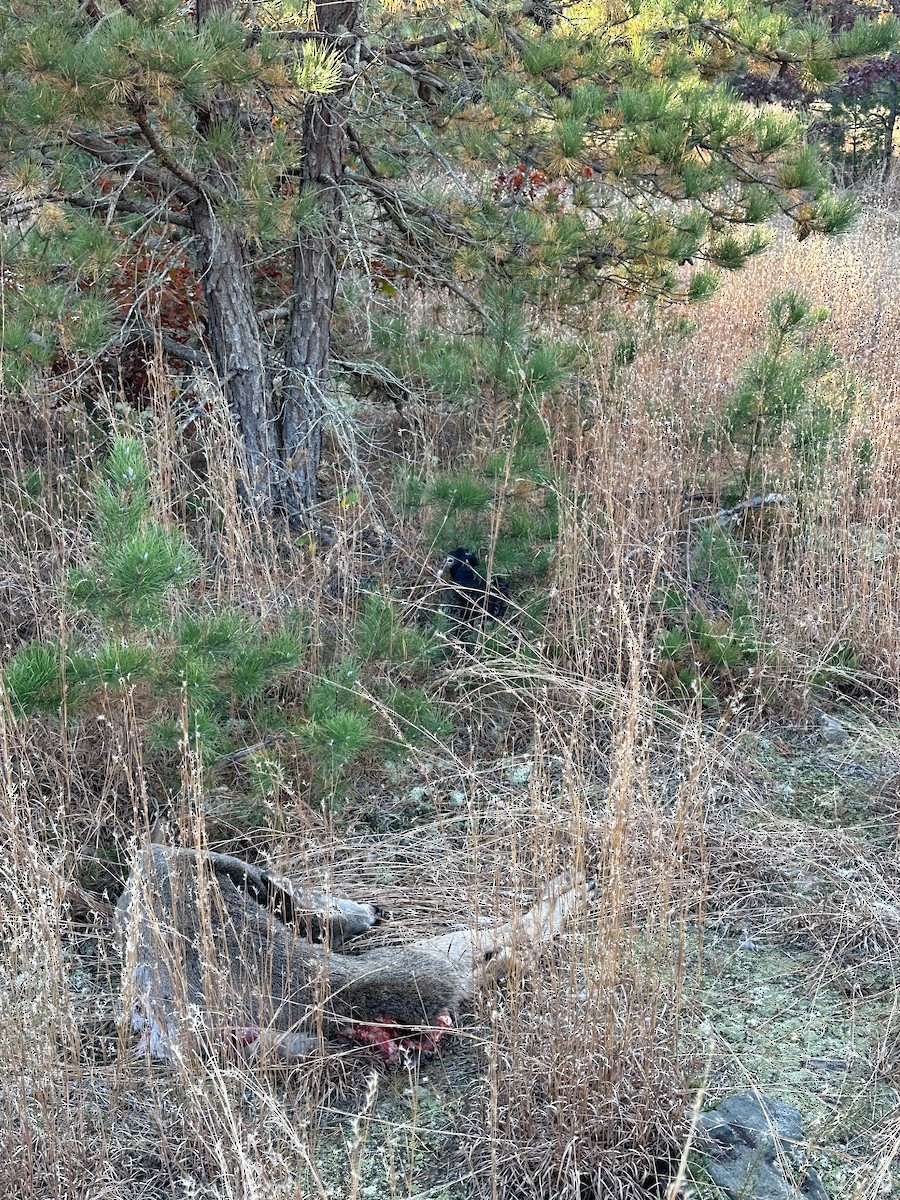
(707, 645)
(214, 681)
(791, 388)
(203, 677)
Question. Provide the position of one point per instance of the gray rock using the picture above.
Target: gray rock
(832, 731)
(755, 1151)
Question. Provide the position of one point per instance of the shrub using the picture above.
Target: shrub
(214, 682)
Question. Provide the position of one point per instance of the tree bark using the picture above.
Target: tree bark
(234, 331)
(282, 437)
(235, 345)
(889, 127)
(307, 340)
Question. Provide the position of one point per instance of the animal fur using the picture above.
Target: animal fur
(216, 951)
(467, 597)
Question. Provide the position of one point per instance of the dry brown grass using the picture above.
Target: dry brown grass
(838, 580)
(572, 1082)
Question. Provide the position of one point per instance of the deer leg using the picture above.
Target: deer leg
(483, 954)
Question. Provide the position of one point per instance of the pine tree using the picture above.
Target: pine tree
(860, 123)
(203, 173)
(210, 679)
(855, 116)
(777, 390)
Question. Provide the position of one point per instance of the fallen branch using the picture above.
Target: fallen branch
(728, 516)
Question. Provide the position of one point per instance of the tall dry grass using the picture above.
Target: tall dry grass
(566, 1081)
(569, 1081)
(835, 577)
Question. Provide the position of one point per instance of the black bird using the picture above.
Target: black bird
(467, 596)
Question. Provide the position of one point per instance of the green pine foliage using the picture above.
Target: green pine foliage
(33, 681)
(462, 511)
(334, 739)
(415, 712)
(504, 505)
(793, 387)
(708, 645)
(862, 116)
(139, 563)
(793, 394)
(214, 667)
(598, 153)
(373, 699)
(213, 681)
(855, 105)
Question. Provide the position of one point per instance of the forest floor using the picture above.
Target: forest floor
(791, 990)
(778, 1003)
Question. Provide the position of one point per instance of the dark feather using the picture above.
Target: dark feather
(467, 596)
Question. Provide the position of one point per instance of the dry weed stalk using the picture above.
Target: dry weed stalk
(582, 1068)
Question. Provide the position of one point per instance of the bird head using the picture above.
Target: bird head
(461, 555)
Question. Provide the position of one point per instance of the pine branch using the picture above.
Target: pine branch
(379, 377)
(362, 153)
(407, 51)
(510, 36)
(196, 185)
(340, 38)
(121, 159)
(518, 43)
(197, 358)
(144, 335)
(420, 75)
(403, 211)
(445, 163)
(155, 211)
(431, 270)
(416, 45)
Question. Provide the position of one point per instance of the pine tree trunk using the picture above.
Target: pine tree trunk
(234, 331)
(315, 273)
(282, 436)
(890, 125)
(235, 345)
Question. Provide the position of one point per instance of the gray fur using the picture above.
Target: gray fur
(205, 952)
(213, 947)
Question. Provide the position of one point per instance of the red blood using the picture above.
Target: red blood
(242, 1035)
(380, 1035)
